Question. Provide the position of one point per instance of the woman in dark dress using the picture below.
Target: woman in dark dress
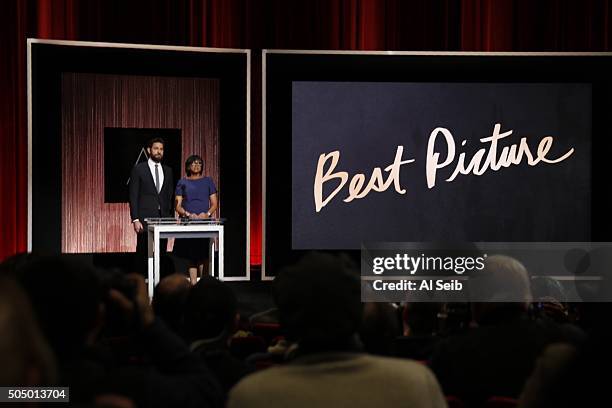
(196, 198)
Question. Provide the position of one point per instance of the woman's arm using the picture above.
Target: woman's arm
(214, 204)
(178, 200)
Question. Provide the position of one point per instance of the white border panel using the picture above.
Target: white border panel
(264, 53)
(31, 41)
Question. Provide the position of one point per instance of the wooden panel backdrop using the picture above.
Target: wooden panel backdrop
(91, 102)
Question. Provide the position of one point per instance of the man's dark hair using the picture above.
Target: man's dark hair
(66, 296)
(379, 328)
(210, 310)
(319, 302)
(12, 264)
(155, 140)
(189, 161)
(421, 318)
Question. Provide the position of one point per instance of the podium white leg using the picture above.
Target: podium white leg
(211, 256)
(150, 263)
(221, 246)
(156, 272)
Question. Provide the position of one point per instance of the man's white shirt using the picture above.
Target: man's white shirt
(152, 164)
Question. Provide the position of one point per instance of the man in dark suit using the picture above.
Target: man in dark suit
(151, 196)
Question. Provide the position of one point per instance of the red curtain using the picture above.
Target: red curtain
(526, 25)
(470, 25)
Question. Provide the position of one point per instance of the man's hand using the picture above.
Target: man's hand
(140, 304)
(203, 216)
(138, 227)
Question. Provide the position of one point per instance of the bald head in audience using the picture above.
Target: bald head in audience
(504, 285)
(169, 300)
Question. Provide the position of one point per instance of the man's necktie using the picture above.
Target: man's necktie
(157, 186)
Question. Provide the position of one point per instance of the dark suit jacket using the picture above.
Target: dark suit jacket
(145, 202)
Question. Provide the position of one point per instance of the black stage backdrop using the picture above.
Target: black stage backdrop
(401, 127)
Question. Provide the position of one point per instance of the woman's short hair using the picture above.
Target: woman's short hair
(189, 162)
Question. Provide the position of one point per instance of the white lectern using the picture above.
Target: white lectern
(158, 228)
